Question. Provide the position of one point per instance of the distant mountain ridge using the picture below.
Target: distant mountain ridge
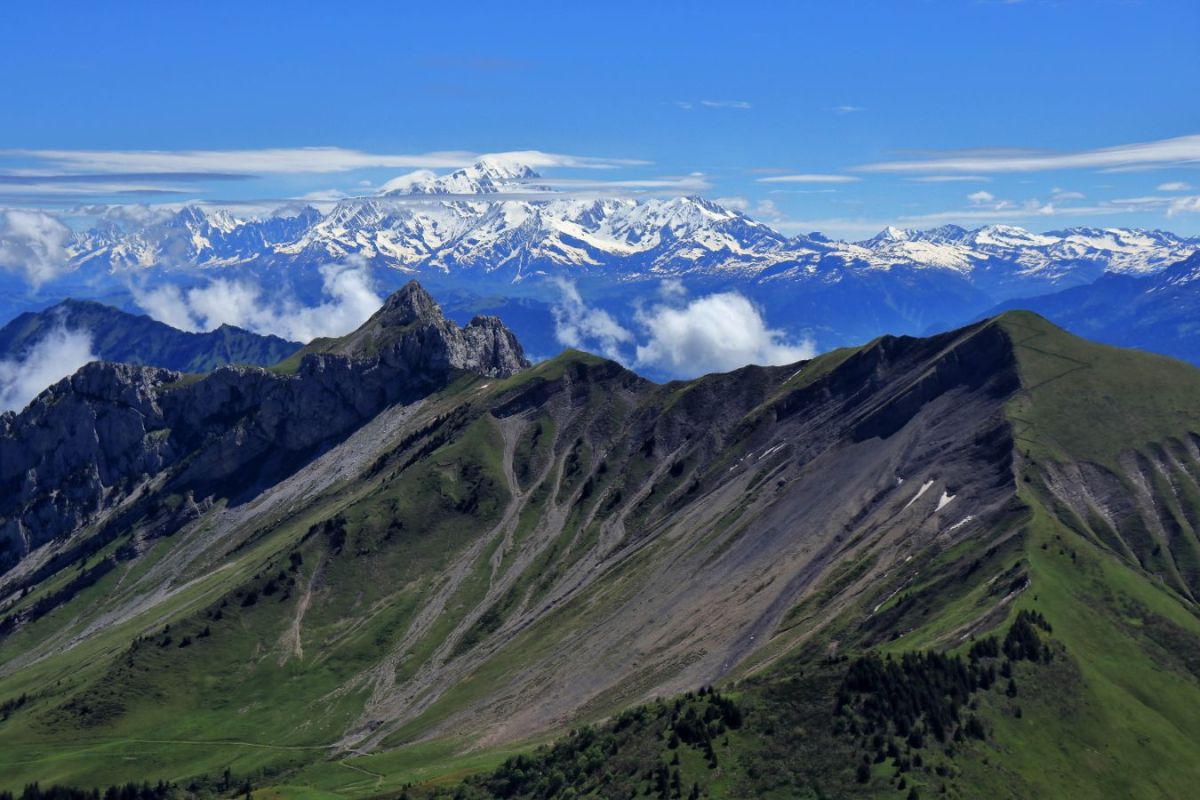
(495, 219)
(496, 237)
(136, 339)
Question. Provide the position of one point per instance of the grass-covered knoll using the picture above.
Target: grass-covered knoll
(1083, 401)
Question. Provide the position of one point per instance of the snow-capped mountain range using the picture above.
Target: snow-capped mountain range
(496, 219)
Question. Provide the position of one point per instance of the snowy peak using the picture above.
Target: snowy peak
(493, 217)
(891, 234)
(484, 177)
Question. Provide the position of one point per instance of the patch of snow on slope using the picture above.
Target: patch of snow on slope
(924, 488)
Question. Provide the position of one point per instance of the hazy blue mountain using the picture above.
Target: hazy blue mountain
(136, 339)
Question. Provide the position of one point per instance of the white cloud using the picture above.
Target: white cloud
(980, 197)
(33, 244)
(323, 196)
(167, 304)
(693, 182)
(847, 109)
(578, 325)
(714, 333)
(1172, 206)
(678, 336)
(291, 160)
(810, 177)
(951, 179)
(405, 182)
(1180, 150)
(1061, 195)
(763, 209)
(1181, 205)
(1174, 186)
(33, 191)
(351, 299)
(56, 355)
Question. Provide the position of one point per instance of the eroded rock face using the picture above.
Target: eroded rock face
(410, 329)
(89, 441)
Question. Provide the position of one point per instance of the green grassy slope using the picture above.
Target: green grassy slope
(1116, 713)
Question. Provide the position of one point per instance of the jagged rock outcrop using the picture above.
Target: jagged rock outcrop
(87, 443)
(410, 329)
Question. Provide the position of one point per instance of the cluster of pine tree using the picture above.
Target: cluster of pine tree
(12, 704)
(637, 753)
(919, 694)
(895, 707)
(130, 791)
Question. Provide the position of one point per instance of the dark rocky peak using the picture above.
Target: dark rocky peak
(411, 303)
(410, 332)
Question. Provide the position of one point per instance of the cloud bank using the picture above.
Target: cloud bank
(680, 337)
(350, 300)
(715, 333)
(56, 355)
(34, 245)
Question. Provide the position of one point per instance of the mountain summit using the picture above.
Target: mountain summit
(485, 177)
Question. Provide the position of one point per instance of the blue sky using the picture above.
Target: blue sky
(841, 117)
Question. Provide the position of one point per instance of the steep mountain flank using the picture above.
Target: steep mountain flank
(401, 553)
(115, 435)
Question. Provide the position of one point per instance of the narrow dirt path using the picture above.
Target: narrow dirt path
(293, 641)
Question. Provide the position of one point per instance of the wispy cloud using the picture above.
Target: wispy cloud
(811, 177)
(1183, 205)
(691, 105)
(1171, 206)
(33, 244)
(951, 179)
(847, 109)
(53, 357)
(1063, 195)
(1161, 153)
(763, 209)
(738, 104)
(576, 324)
(1174, 186)
(293, 160)
(695, 182)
